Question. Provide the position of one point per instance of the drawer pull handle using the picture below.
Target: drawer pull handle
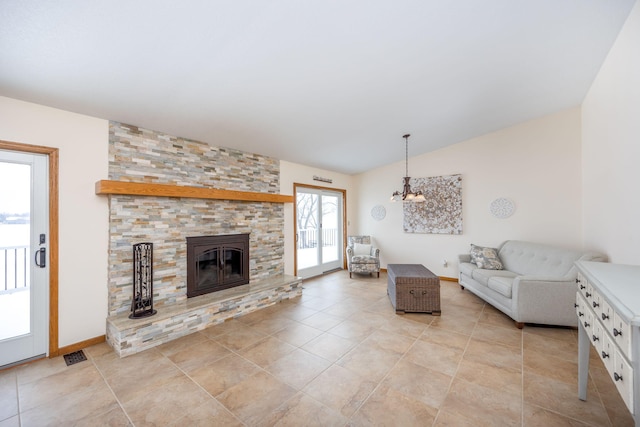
(588, 295)
(580, 314)
(616, 332)
(595, 304)
(595, 338)
(605, 355)
(586, 325)
(617, 377)
(424, 292)
(411, 292)
(605, 316)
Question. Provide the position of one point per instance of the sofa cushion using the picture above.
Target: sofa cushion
(501, 285)
(361, 249)
(534, 259)
(486, 258)
(483, 276)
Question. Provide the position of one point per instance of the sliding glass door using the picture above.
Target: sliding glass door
(319, 231)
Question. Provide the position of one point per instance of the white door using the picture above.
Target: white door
(24, 257)
(319, 231)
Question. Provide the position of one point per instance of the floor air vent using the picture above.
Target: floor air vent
(75, 357)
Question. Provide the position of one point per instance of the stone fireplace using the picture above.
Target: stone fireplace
(139, 155)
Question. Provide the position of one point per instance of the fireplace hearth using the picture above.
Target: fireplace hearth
(217, 262)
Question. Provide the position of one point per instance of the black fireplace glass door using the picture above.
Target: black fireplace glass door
(215, 263)
(232, 264)
(207, 269)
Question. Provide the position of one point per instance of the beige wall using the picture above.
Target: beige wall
(291, 173)
(535, 164)
(611, 146)
(83, 221)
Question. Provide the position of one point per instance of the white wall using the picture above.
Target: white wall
(83, 216)
(291, 173)
(611, 150)
(536, 164)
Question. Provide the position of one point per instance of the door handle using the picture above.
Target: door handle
(42, 255)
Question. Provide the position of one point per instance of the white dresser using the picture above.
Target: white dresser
(608, 309)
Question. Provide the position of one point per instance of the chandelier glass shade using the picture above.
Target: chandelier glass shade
(407, 194)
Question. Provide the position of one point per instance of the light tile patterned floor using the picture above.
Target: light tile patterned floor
(338, 355)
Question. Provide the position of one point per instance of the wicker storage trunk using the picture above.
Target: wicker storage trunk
(413, 288)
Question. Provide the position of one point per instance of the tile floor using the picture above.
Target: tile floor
(338, 355)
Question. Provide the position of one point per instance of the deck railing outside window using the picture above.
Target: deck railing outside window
(14, 268)
(307, 237)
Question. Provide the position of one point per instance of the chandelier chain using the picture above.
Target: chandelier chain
(406, 155)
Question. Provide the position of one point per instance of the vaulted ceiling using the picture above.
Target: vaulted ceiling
(332, 84)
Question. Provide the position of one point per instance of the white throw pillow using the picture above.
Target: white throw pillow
(360, 249)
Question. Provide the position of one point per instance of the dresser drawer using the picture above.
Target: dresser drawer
(623, 378)
(582, 284)
(597, 335)
(607, 353)
(621, 334)
(581, 307)
(585, 314)
(596, 303)
(606, 315)
(589, 322)
(588, 293)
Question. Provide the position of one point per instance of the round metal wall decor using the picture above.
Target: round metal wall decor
(378, 212)
(502, 208)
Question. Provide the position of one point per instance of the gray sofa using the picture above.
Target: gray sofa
(536, 285)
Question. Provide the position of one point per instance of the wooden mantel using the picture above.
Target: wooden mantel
(107, 187)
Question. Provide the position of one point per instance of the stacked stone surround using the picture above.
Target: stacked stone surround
(167, 222)
(141, 155)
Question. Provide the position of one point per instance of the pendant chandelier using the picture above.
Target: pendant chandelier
(407, 195)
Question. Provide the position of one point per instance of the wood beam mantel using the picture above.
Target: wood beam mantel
(108, 187)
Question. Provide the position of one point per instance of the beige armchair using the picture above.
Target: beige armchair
(362, 257)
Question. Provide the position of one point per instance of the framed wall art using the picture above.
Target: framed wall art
(441, 213)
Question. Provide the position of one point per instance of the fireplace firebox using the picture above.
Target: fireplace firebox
(215, 263)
